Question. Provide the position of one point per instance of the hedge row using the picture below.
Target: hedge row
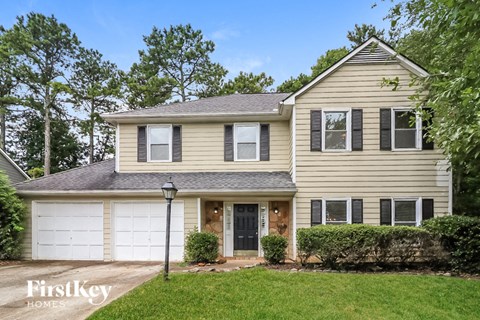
(451, 241)
(354, 245)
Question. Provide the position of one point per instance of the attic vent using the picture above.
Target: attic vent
(372, 53)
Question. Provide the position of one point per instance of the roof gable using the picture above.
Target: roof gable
(371, 51)
(13, 164)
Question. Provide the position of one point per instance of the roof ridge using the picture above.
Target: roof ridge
(66, 171)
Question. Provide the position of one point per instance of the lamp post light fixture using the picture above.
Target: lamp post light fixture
(169, 192)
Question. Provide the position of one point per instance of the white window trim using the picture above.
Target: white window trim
(348, 144)
(170, 138)
(418, 130)
(418, 209)
(349, 209)
(246, 124)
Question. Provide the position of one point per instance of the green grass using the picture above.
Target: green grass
(267, 294)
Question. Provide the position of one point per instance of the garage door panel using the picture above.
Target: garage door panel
(141, 238)
(141, 252)
(176, 238)
(123, 238)
(157, 224)
(62, 237)
(46, 251)
(46, 223)
(147, 223)
(157, 238)
(65, 223)
(141, 223)
(123, 224)
(69, 230)
(95, 223)
(123, 253)
(96, 238)
(45, 236)
(63, 252)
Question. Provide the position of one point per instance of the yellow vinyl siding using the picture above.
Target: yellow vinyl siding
(370, 174)
(190, 218)
(202, 150)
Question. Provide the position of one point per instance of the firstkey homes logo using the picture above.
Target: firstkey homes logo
(39, 290)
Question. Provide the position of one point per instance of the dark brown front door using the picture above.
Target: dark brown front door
(245, 227)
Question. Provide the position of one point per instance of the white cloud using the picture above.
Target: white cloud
(245, 64)
(224, 34)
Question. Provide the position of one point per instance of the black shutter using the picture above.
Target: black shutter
(426, 144)
(142, 144)
(427, 209)
(228, 143)
(316, 130)
(264, 142)
(386, 212)
(316, 212)
(177, 144)
(357, 211)
(357, 129)
(385, 129)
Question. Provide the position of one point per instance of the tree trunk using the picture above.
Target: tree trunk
(46, 105)
(3, 130)
(92, 132)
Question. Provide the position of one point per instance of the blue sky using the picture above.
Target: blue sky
(281, 38)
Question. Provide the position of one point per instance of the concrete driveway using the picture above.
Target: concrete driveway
(70, 298)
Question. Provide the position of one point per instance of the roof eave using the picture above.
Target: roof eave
(155, 192)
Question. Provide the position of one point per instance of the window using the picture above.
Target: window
(247, 142)
(160, 143)
(406, 212)
(406, 134)
(336, 132)
(337, 211)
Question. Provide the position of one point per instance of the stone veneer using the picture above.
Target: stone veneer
(278, 222)
(214, 221)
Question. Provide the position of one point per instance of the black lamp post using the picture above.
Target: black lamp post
(169, 192)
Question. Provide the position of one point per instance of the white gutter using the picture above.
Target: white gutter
(183, 192)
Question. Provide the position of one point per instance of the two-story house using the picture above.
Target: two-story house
(343, 149)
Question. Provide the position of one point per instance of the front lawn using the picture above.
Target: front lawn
(267, 294)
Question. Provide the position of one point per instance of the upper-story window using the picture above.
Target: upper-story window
(159, 143)
(336, 131)
(246, 141)
(407, 133)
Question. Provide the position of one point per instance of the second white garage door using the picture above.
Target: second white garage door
(139, 231)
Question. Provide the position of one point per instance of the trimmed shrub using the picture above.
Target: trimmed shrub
(12, 215)
(201, 247)
(353, 245)
(460, 237)
(274, 248)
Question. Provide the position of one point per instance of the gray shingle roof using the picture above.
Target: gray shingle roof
(102, 177)
(231, 104)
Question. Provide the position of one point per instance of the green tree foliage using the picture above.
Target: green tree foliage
(181, 54)
(446, 34)
(44, 48)
(12, 215)
(95, 87)
(8, 87)
(363, 32)
(248, 83)
(27, 144)
(143, 87)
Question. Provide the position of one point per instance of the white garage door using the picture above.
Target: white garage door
(139, 231)
(68, 230)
